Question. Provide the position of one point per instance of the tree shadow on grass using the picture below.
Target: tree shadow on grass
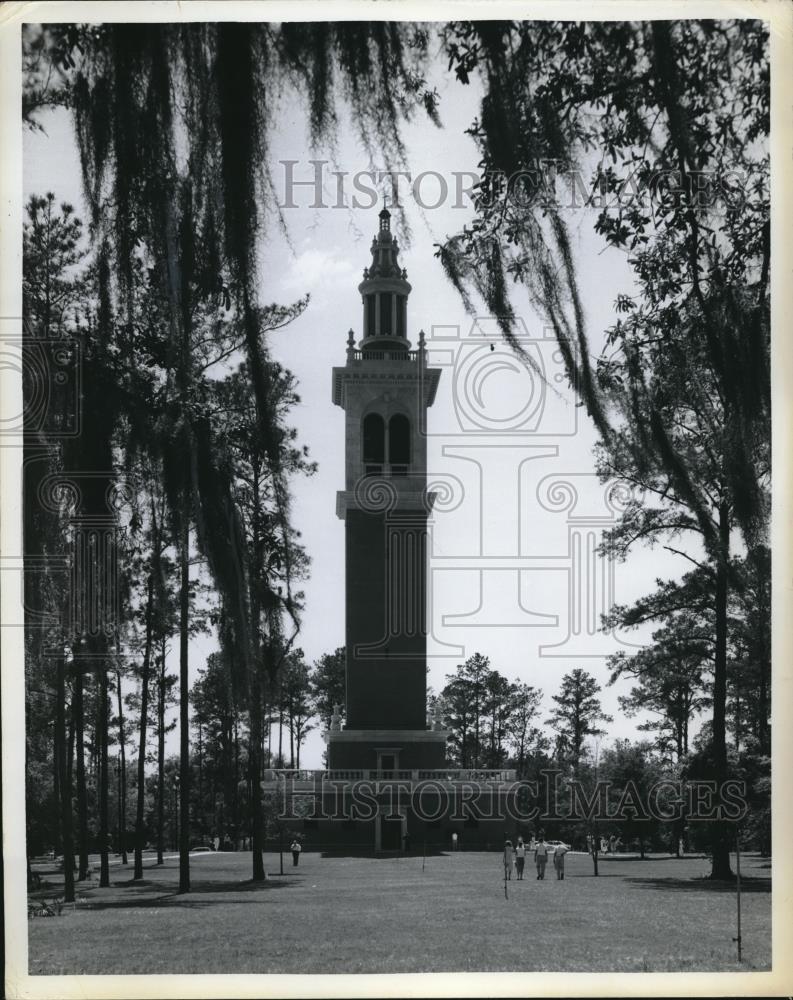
(367, 852)
(608, 859)
(748, 884)
(173, 898)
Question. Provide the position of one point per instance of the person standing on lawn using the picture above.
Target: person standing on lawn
(296, 848)
(540, 857)
(558, 860)
(520, 857)
(509, 859)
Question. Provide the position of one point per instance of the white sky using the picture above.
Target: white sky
(324, 254)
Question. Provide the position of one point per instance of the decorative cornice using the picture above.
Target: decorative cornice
(387, 736)
(414, 500)
(385, 371)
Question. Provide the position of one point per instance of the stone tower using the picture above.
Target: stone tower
(385, 388)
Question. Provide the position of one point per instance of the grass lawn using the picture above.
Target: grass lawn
(386, 915)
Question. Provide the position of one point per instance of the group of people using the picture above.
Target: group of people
(606, 845)
(515, 858)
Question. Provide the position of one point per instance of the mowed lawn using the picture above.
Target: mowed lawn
(334, 915)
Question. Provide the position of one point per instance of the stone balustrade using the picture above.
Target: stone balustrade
(272, 775)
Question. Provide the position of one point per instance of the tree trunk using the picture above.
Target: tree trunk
(82, 798)
(144, 714)
(55, 819)
(236, 800)
(122, 790)
(256, 742)
(64, 786)
(70, 780)
(102, 740)
(280, 736)
(254, 753)
(161, 755)
(720, 835)
(184, 709)
(762, 697)
(200, 800)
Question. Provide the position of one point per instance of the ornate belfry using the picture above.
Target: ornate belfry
(385, 388)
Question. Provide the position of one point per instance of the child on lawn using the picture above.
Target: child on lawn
(520, 857)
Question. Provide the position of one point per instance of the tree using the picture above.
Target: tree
(681, 395)
(671, 682)
(166, 694)
(266, 549)
(749, 677)
(464, 700)
(54, 254)
(296, 695)
(577, 713)
(557, 95)
(693, 413)
(526, 739)
(499, 695)
(155, 614)
(122, 770)
(454, 702)
(215, 709)
(329, 684)
(694, 645)
(632, 770)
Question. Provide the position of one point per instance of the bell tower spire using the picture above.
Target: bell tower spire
(384, 290)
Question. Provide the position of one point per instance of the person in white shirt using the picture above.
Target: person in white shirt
(558, 860)
(520, 857)
(540, 857)
(296, 848)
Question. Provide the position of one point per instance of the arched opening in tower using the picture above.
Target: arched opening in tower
(399, 444)
(373, 444)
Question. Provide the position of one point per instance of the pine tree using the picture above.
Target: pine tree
(577, 714)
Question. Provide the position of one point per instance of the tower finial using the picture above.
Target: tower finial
(385, 217)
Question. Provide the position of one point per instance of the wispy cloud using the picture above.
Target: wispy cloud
(319, 270)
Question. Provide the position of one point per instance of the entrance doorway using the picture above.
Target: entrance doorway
(387, 759)
(390, 833)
